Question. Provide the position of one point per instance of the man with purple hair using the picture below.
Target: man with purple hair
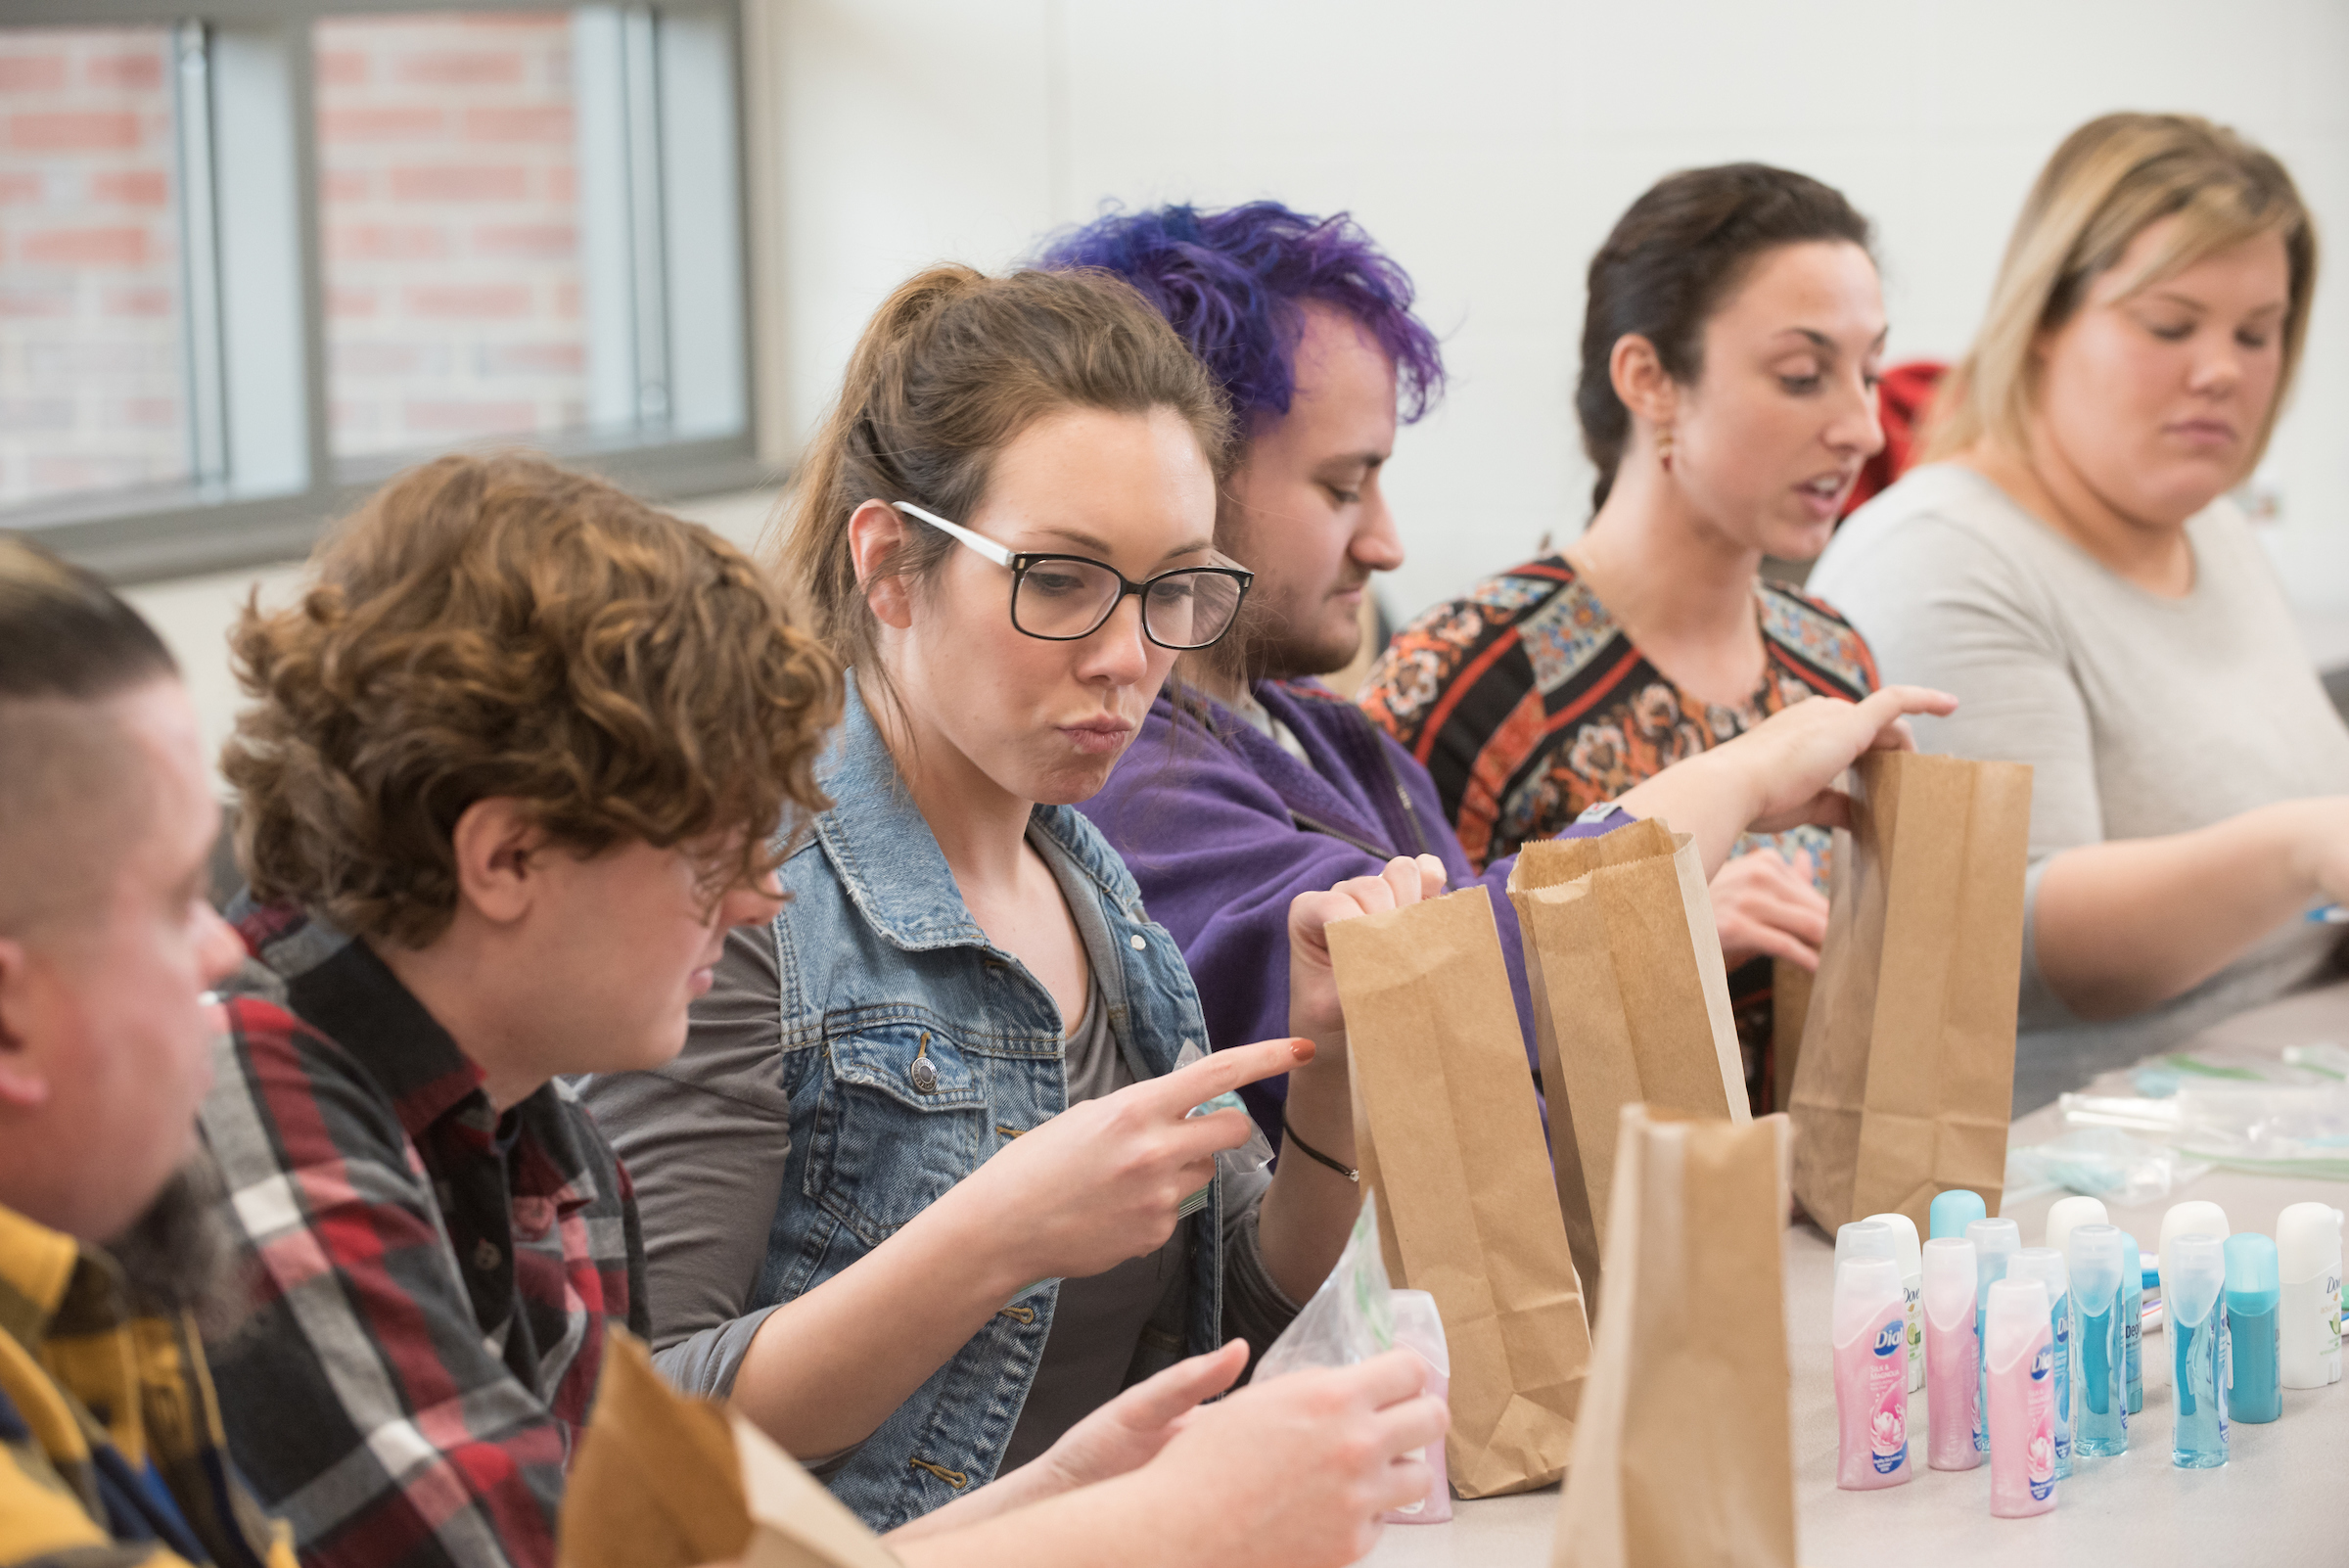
(1271, 784)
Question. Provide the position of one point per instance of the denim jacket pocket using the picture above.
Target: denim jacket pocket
(902, 1115)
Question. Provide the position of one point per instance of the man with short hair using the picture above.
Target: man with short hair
(1308, 327)
(111, 1446)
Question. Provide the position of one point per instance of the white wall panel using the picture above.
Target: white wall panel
(1489, 146)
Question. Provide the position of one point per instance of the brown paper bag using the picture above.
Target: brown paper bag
(1789, 1005)
(1447, 1134)
(1905, 1081)
(1684, 1453)
(1631, 1003)
(663, 1481)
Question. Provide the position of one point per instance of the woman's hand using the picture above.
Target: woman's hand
(1129, 1431)
(1792, 760)
(1100, 1183)
(1313, 1012)
(1119, 1437)
(1764, 903)
(1293, 1473)
(1781, 773)
(1296, 1471)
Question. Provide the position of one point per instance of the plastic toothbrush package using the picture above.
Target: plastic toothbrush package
(2102, 1162)
(2287, 1118)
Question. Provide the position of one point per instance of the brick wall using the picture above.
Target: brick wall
(449, 206)
(91, 395)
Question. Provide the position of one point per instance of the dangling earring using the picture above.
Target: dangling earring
(1663, 448)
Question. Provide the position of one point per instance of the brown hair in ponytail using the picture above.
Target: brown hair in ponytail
(1675, 256)
(952, 368)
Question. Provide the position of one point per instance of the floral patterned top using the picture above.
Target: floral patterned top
(1528, 703)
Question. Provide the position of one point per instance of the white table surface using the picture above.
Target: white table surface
(2277, 1501)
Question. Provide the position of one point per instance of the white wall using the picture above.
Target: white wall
(1488, 147)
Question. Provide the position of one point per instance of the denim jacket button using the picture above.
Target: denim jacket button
(924, 1076)
(1138, 941)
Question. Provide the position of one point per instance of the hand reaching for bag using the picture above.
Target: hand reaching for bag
(1793, 759)
(1766, 904)
(1784, 773)
(1313, 1012)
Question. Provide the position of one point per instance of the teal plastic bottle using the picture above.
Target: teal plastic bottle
(1951, 1212)
(2254, 1292)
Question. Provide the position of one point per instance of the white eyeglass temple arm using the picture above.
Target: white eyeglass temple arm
(977, 541)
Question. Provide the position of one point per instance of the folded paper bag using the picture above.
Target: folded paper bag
(1682, 1453)
(1905, 1082)
(1631, 1003)
(1446, 1134)
(663, 1481)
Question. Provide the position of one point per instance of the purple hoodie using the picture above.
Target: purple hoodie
(1221, 828)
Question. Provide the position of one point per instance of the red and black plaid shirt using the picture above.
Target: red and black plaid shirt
(436, 1281)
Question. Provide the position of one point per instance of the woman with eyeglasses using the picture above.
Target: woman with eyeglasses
(923, 1189)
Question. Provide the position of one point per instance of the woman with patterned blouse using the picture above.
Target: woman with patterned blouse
(1727, 398)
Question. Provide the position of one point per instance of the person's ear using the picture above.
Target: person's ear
(876, 531)
(1640, 380)
(501, 855)
(23, 1079)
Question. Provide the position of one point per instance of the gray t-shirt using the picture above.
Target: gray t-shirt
(2141, 715)
(1097, 1321)
(706, 1141)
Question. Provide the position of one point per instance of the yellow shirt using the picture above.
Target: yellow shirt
(110, 1434)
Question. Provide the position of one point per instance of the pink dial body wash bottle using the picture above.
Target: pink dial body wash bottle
(2018, 1347)
(1952, 1363)
(1871, 1374)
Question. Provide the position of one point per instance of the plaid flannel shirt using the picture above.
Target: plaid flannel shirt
(110, 1438)
(436, 1281)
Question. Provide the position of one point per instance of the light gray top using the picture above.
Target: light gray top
(1097, 1321)
(2140, 715)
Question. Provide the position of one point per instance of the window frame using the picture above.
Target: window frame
(261, 493)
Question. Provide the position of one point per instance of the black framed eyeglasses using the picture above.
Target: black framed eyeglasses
(1066, 598)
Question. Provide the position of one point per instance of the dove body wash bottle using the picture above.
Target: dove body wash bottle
(2045, 1265)
(2132, 1321)
(1906, 1254)
(2193, 1275)
(1995, 1242)
(2020, 1356)
(2100, 1347)
(1871, 1332)
(1953, 1358)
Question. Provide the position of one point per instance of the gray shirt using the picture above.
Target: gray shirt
(706, 1141)
(1098, 1321)
(2140, 715)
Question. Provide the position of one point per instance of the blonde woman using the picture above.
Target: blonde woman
(2067, 563)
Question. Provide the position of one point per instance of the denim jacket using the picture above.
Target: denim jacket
(911, 1048)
